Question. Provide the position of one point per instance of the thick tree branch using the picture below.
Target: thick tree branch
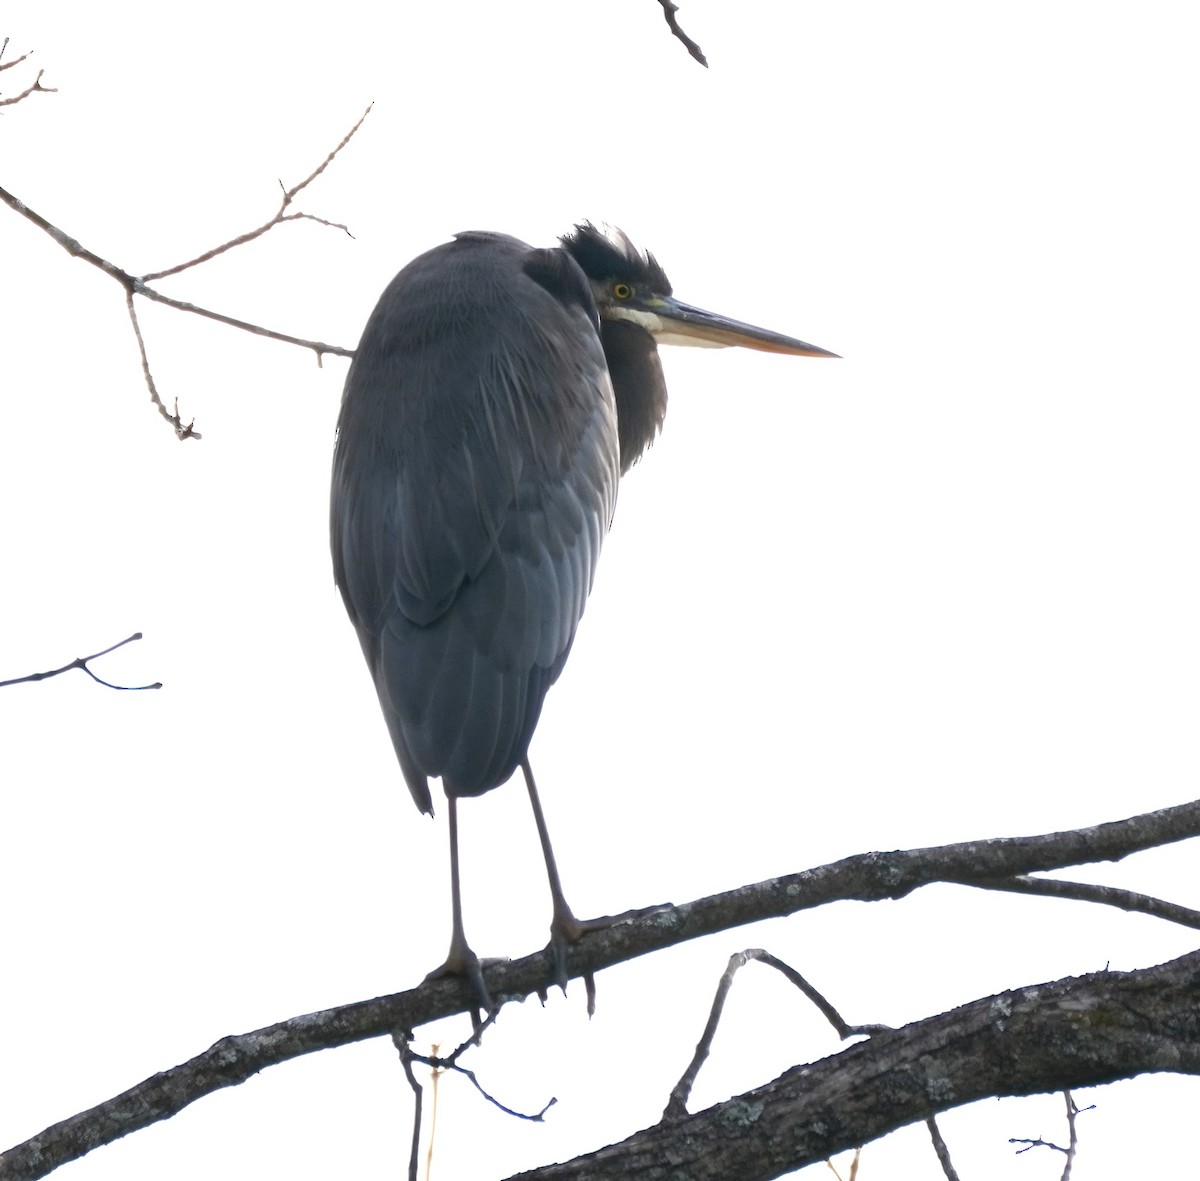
(1082, 1031)
(865, 877)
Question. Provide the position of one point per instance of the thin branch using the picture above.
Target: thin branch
(69, 244)
(1072, 1137)
(16, 61)
(865, 877)
(1073, 1142)
(317, 346)
(1028, 1143)
(1126, 900)
(475, 1039)
(35, 87)
(181, 432)
(830, 1014)
(135, 286)
(440, 1065)
(139, 285)
(943, 1152)
(677, 1103)
(289, 195)
(445, 1064)
(81, 663)
(401, 1041)
(669, 11)
(853, 1166)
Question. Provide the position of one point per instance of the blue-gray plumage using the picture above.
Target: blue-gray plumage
(496, 396)
(475, 476)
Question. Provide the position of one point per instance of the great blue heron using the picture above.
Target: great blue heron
(497, 395)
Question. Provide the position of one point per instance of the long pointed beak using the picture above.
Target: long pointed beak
(671, 322)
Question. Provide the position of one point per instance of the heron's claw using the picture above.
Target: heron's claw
(462, 961)
(566, 929)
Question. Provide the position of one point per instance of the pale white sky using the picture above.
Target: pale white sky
(945, 588)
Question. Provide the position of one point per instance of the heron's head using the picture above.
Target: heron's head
(629, 284)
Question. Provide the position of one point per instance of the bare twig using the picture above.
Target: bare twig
(320, 348)
(1073, 1137)
(444, 1064)
(35, 87)
(1126, 900)
(440, 1065)
(281, 215)
(669, 11)
(677, 1103)
(135, 286)
(401, 1041)
(181, 431)
(69, 244)
(940, 1147)
(81, 663)
(139, 285)
(434, 1076)
(16, 61)
(474, 1040)
(853, 1166)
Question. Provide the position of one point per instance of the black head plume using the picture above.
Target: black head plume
(611, 255)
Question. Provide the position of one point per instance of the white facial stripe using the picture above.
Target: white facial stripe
(663, 330)
(647, 320)
(666, 336)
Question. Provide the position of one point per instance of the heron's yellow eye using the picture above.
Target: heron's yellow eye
(622, 291)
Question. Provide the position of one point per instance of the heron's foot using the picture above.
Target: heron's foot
(566, 929)
(462, 961)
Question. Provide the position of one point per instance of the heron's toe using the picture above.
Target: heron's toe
(462, 961)
(566, 929)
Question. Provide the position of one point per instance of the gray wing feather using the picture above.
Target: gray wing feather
(474, 479)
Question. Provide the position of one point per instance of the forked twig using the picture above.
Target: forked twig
(140, 285)
(402, 1040)
(289, 195)
(450, 1062)
(35, 87)
(81, 662)
(677, 1103)
(1073, 1137)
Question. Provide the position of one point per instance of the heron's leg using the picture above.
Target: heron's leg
(461, 961)
(564, 924)
(565, 928)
